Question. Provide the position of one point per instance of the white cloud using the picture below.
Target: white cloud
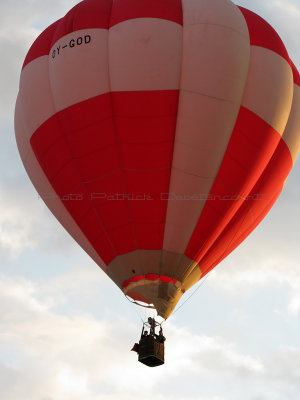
(239, 275)
(14, 228)
(208, 356)
(284, 372)
(79, 356)
(25, 221)
(74, 356)
(242, 277)
(294, 304)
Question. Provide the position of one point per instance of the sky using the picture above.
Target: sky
(66, 330)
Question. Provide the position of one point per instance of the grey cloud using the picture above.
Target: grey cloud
(213, 355)
(285, 368)
(78, 356)
(95, 354)
(19, 27)
(27, 223)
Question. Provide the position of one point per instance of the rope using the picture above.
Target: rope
(192, 294)
(135, 310)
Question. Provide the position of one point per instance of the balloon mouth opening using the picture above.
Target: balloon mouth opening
(139, 299)
(135, 299)
(154, 291)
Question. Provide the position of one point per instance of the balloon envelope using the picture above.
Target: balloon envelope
(159, 133)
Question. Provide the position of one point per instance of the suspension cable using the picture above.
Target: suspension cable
(192, 294)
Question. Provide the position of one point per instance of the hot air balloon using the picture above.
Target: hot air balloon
(159, 134)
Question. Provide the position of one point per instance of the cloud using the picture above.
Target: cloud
(59, 353)
(269, 257)
(46, 353)
(21, 21)
(14, 228)
(49, 353)
(27, 223)
(243, 277)
(204, 355)
(294, 304)
(284, 372)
